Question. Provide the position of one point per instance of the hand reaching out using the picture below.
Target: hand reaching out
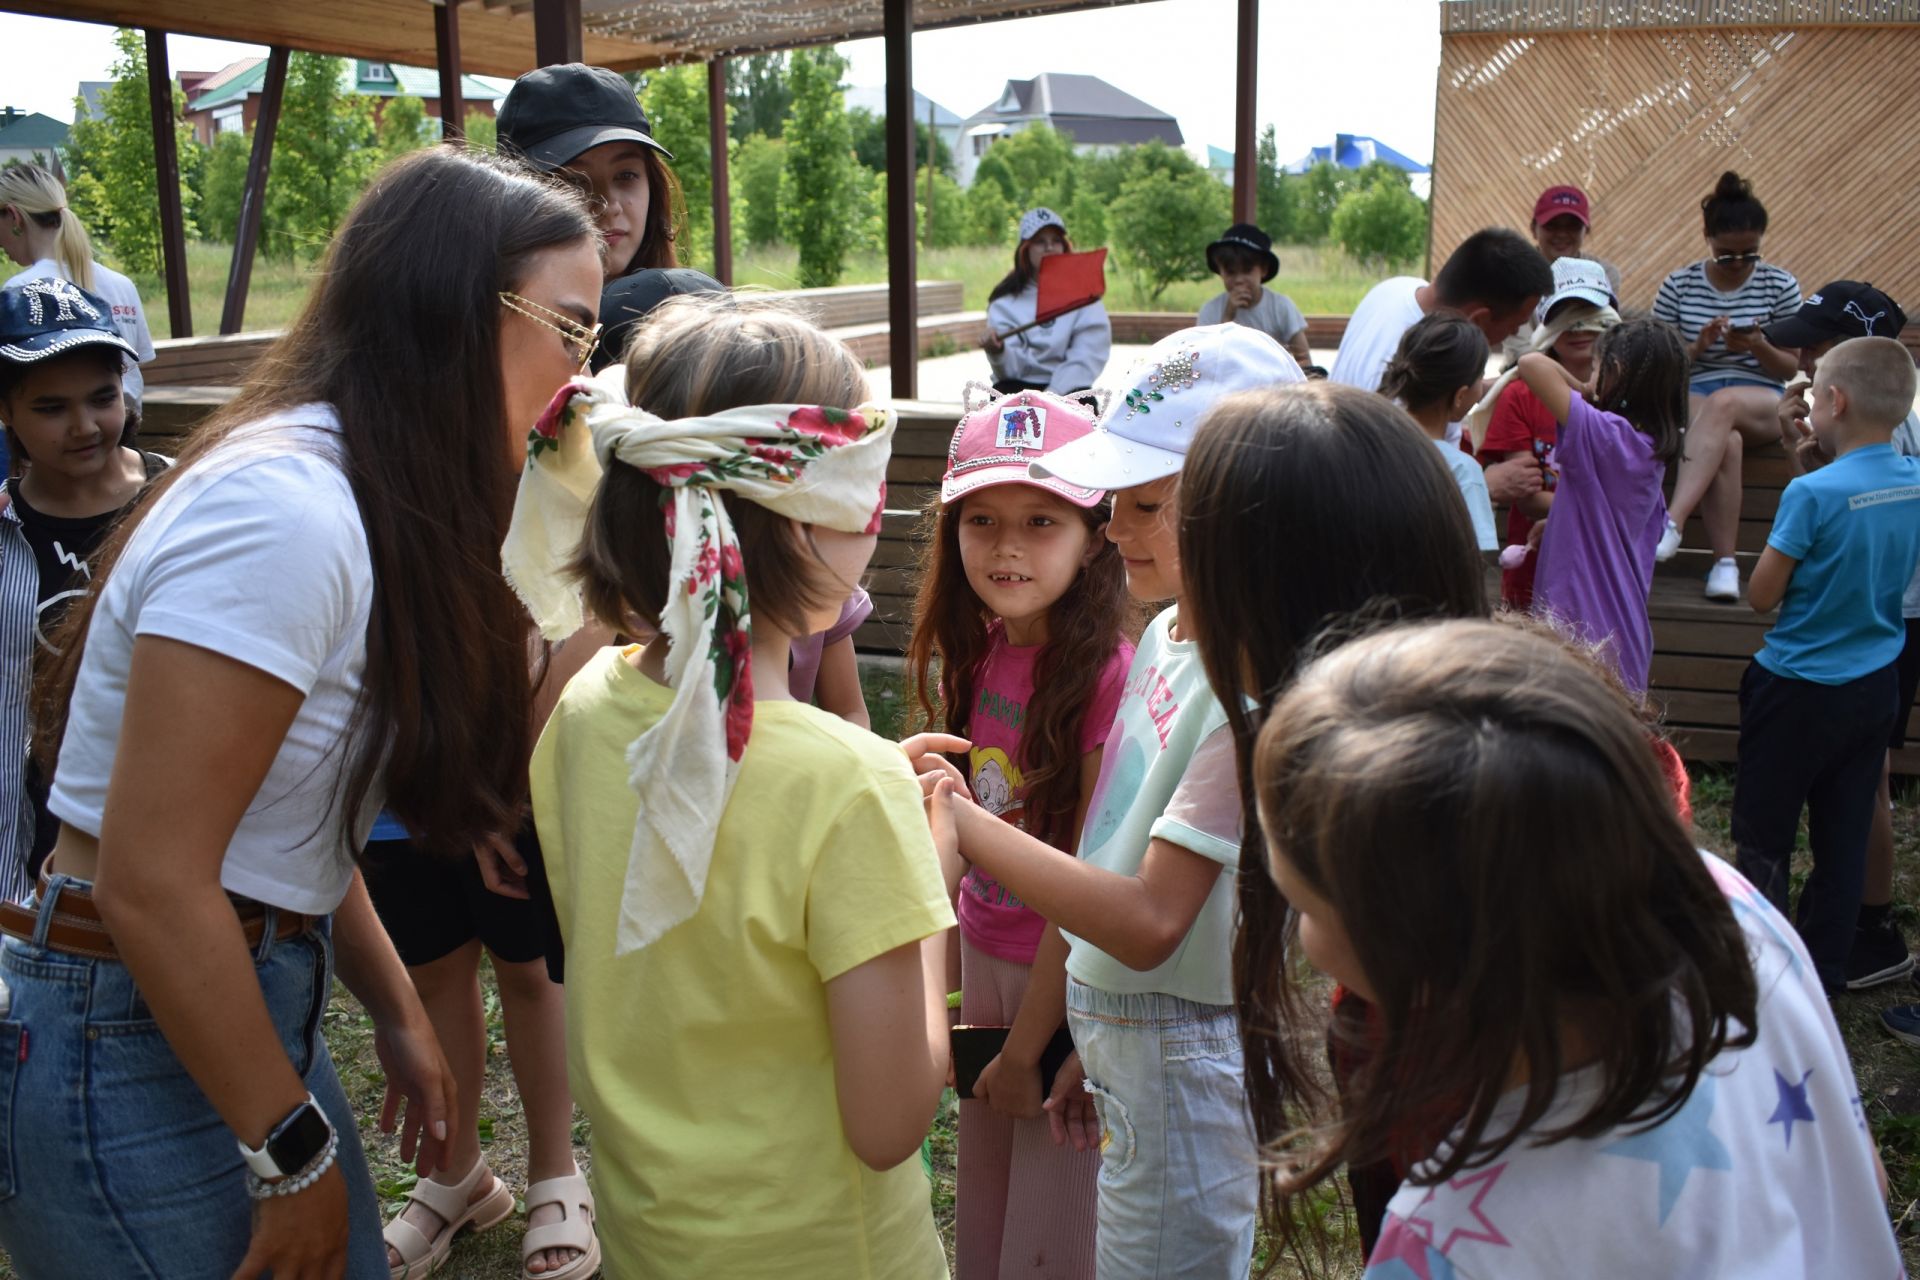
(1071, 1115)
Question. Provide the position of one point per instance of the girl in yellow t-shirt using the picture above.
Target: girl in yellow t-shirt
(752, 904)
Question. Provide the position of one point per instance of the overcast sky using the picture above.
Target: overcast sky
(1364, 67)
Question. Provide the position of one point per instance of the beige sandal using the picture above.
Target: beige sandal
(454, 1205)
(576, 1232)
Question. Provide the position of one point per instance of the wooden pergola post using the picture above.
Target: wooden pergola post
(903, 295)
(446, 48)
(557, 35)
(166, 167)
(722, 199)
(246, 237)
(1246, 63)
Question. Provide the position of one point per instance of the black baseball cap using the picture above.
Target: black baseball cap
(43, 318)
(630, 299)
(1843, 309)
(1244, 235)
(553, 114)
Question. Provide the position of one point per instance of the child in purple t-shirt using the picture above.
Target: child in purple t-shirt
(1021, 614)
(1615, 438)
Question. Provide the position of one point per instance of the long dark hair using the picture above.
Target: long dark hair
(1302, 508)
(1084, 627)
(402, 337)
(1023, 271)
(1640, 372)
(1482, 813)
(666, 216)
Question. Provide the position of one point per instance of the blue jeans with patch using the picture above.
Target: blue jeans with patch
(112, 1162)
(1179, 1173)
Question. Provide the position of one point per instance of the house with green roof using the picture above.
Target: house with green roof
(31, 138)
(228, 100)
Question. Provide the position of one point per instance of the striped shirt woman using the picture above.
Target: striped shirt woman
(1690, 301)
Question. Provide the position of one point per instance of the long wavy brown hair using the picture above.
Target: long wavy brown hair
(402, 337)
(950, 642)
(1304, 508)
(1477, 805)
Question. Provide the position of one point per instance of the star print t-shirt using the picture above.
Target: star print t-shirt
(1167, 774)
(1767, 1170)
(991, 917)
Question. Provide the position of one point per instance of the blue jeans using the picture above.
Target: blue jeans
(1705, 384)
(1179, 1174)
(112, 1162)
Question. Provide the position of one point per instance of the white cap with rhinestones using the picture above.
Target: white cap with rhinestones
(1150, 420)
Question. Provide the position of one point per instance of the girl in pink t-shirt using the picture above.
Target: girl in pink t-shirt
(1021, 622)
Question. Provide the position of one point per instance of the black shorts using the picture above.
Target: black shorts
(432, 907)
(1908, 671)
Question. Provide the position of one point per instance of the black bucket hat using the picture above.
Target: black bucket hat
(1244, 235)
(555, 113)
(44, 318)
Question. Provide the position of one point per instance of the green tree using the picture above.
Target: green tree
(480, 130)
(112, 183)
(758, 95)
(870, 142)
(1163, 221)
(824, 183)
(676, 102)
(323, 155)
(1041, 163)
(994, 171)
(1276, 193)
(990, 215)
(1384, 224)
(225, 185)
(1087, 220)
(404, 127)
(759, 169)
(944, 224)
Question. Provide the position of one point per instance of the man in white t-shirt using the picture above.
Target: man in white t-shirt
(1495, 279)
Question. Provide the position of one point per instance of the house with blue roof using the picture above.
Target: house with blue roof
(1356, 151)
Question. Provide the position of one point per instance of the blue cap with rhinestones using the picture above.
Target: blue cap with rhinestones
(43, 318)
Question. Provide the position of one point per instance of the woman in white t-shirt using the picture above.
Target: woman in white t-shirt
(39, 232)
(303, 620)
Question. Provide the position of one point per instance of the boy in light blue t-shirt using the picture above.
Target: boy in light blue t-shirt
(1817, 702)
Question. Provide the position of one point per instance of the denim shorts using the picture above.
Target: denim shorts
(1179, 1168)
(112, 1162)
(1705, 384)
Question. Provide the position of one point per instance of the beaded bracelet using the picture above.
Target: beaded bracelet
(260, 1189)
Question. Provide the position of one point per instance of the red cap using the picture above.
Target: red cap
(1555, 201)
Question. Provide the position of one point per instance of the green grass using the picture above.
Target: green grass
(1320, 279)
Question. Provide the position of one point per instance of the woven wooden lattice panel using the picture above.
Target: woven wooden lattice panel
(1818, 118)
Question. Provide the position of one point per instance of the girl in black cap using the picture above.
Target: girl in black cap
(586, 125)
(1244, 260)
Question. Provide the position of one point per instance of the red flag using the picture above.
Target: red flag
(1069, 281)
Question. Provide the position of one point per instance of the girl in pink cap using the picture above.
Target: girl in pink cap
(1022, 613)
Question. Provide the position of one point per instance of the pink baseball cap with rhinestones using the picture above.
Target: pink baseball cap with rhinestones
(996, 443)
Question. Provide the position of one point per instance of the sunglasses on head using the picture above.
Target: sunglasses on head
(583, 338)
(1736, 259)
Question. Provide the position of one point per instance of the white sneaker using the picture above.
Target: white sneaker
(1723, 581)
(1668, 544)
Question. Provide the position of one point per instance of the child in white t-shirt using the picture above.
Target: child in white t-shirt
(1628, 1047)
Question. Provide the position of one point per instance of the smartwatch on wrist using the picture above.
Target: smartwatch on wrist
(294, 1143)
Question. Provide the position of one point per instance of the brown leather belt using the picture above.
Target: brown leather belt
(76, 928)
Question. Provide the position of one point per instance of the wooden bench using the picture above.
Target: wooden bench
(1323, 332)
(223, 360)
(845, 306)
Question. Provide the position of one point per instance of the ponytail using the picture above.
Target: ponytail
(1733, 207)
(1437, 356)
(38, 195)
